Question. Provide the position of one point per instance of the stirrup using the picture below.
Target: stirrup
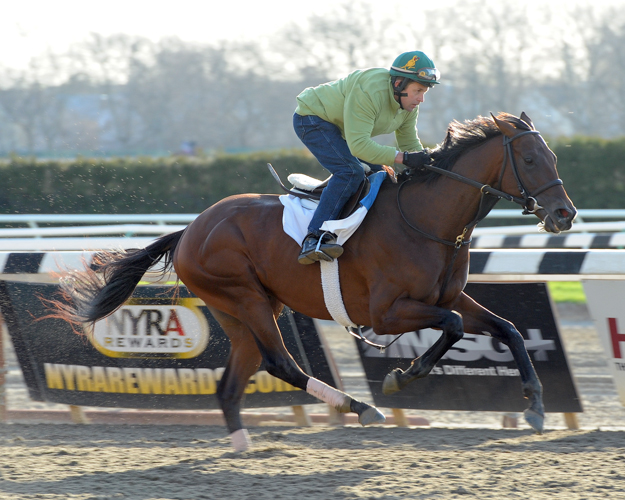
(328, 251)
(309, 255)
(322, 250)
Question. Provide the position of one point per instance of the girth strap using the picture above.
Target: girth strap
(332, 293)
(330, 283)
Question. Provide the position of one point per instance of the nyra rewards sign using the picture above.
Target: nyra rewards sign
(162, 349)
(140, 329)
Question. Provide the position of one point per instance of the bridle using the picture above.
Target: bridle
(527, 199)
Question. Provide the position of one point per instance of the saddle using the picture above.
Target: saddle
(309, 188)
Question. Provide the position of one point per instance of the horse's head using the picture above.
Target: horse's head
(534, 175)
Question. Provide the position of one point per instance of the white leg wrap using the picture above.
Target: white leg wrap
(339, 400)
(240, 440)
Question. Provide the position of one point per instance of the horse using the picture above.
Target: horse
(404, 269)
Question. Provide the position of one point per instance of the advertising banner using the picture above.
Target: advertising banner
(478, 373)
(156, 352)
(606, 302)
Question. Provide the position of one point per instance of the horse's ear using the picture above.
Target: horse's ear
(506, 128)
(527, 120)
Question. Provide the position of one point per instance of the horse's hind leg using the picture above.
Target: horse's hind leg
(243, 362)
(252, 343)
(479, 320)
(280, 364)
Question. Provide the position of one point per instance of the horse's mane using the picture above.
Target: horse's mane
(460, 138)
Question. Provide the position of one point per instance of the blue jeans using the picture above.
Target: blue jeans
(325, 142)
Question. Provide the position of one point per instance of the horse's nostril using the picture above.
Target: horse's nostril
(564, 214)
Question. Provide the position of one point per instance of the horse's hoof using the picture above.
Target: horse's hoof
(371, 416)
(535, 420)
(391, 382)
(240, 440)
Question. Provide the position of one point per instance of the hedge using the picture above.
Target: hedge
(141, 185)
(593, 171)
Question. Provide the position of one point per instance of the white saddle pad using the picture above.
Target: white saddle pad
(298, 212)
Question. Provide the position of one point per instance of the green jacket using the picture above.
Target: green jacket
(362, 106)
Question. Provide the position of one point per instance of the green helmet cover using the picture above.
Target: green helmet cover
(416, 66)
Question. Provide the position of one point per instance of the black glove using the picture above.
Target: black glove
(416, 160)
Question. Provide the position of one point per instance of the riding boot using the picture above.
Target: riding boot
(315, 248)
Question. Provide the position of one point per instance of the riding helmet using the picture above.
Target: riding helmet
(416, 66)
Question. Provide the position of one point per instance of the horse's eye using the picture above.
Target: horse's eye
(529, 160)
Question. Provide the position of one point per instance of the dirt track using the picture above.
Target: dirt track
(59, 461)
(193, 462)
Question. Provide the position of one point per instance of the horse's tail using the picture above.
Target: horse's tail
(98, 291)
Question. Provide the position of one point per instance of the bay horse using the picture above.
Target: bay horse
(403, 270)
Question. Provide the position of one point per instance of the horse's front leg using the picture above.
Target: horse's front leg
(479, 320)
(407, 315)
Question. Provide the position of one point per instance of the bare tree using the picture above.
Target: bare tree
(108, 60)
(128, 93)
(350, 37)
(20, 104)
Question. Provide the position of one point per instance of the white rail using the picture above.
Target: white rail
(120, 229)
(97, 231)
(578, 227)
(33, 220)
(128, 230)
(583, 213)
(73, 244)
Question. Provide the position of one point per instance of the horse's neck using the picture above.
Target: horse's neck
(451, 202)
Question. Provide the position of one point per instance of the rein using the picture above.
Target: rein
(486, 189)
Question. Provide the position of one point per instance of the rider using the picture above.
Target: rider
(336, 121)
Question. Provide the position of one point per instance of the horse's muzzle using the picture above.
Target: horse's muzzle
(558, 220)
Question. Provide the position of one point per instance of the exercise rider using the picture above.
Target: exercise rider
(337, 120)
